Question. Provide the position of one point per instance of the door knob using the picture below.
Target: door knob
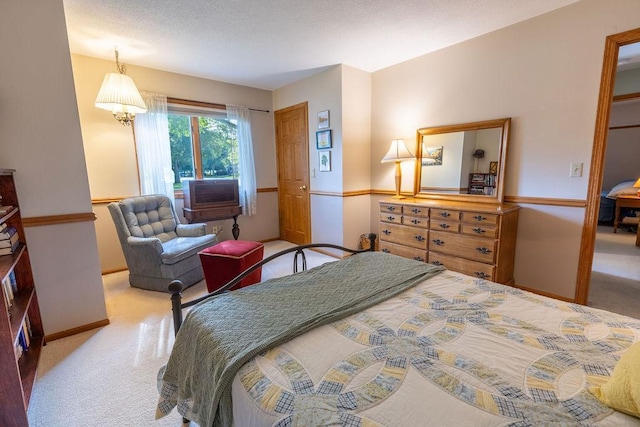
(303, 188)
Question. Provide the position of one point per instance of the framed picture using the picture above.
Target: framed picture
(324, 157)
(493, 168)
(323, 119)
(323, 139)
(432, 156)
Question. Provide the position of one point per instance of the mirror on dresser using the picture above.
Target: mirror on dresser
(462, 161)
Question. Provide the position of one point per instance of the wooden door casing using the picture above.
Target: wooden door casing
(292, 147)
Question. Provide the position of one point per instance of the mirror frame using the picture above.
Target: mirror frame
(498, 197)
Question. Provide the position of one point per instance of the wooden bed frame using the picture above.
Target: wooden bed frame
(176, 287)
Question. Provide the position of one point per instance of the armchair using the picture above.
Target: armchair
(157, 247)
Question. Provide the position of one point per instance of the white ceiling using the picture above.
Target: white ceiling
(271, 43)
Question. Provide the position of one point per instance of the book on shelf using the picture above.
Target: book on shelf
(7, 233)
(5, 209)
(11, 249)
(8, 291)
(7, 243)
(3, 226)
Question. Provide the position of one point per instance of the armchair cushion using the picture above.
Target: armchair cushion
(177, 249)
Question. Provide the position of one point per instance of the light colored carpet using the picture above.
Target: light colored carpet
(107, 376)
(615, 276)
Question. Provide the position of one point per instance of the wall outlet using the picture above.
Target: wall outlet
(576, 170)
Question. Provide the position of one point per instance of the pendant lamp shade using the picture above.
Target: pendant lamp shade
(120, 95)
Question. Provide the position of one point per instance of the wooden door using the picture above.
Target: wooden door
(292, 147)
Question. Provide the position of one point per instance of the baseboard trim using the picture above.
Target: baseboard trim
(114, 270)
(77, 330)
(544, 294)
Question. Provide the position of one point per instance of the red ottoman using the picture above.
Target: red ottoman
(224, 261)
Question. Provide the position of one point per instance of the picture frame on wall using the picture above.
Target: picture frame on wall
(324, 159)
(323, 119)
(323, 139)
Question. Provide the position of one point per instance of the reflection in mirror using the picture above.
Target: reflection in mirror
(464, 161)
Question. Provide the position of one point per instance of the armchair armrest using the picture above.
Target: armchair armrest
(150, 242)
(191, 230)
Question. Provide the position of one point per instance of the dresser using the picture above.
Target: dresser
(477, 239)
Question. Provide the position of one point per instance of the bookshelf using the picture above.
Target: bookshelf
(20, 321)
(482, 183)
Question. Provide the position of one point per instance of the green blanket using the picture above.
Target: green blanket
(218, 336)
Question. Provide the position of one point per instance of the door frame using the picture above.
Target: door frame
(589, 228)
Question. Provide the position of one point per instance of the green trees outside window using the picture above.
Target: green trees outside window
(202, 147)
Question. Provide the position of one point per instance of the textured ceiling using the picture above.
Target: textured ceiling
(268, 44)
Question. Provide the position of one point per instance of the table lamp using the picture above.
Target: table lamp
(397, 153)
(637, 185)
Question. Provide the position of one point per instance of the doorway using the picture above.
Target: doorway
(589, 230)
(292, 150)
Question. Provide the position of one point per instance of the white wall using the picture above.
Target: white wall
(322, 91)
(545, 74)
(621, 161)
(346, 92)
(111, 158)
(627, 81)
(40, 138)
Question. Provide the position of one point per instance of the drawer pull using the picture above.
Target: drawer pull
(436, 263)
(445, 214)
(416, 221)
(484, 251)
(418, 258)
(416, 210)
(391, 208)
(444, 225)
(386, 232)
(386, 251)
(391, 218)
(479, 218)
(419, 238)
(438, 242)
(481, 275)
(479, 230)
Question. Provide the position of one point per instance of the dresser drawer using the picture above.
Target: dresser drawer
(409, 236)
(391, 208)
(472, 268)
(480, 218)
(480, 230)
(416, 211)
(391, 217)
(446, 214)
(416, 221)
(404, 251)
(473, 248)
(442, 225)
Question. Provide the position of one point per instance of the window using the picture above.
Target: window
(203, 146)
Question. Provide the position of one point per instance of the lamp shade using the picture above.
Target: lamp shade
(398, 152)
(119, 94)
(637, 184)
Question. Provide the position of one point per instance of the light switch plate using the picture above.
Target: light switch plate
(576, 170)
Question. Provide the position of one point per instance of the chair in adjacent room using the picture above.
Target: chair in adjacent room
(157, 247)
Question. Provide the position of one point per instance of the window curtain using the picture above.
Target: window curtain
(153, 149)
(246, 165)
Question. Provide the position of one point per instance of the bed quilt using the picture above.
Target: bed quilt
(453, 350)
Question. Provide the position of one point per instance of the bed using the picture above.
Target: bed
(608, 198)
(375, 339)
